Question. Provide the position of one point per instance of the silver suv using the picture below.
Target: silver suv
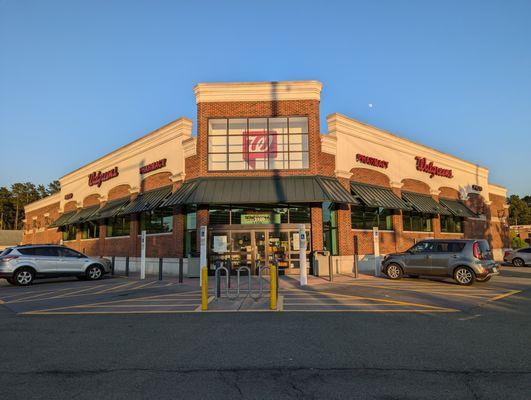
(20, 265)
(518, 258)
(465, 260)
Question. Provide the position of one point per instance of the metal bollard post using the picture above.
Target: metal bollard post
(181, 270)
(160, 268)
(204, 289)
(355, 256)
(273, 283)
(330, 268)
(113, 260)
(127, 266)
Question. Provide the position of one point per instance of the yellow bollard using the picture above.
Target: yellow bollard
(204, 289)
(273, 287)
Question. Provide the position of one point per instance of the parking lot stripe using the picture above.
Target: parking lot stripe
(76, 292)
(114, 288)
(504, 295)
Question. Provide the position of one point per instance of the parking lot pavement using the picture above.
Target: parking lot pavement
(67, 296)
(365, 295)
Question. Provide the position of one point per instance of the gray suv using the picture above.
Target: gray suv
(518, 258)
(21, 265)
(465, 260)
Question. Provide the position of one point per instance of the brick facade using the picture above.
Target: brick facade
(490, 224)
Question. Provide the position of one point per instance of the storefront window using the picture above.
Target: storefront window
(238, 144)
(259, 215)
(330, 228)
(119, 226)
(190, 233)
(368, 217)
(69, 232)
(159, 220)
(90, 230)
(416, 221)
(451, 224)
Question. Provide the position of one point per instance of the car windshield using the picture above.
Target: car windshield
(5, 252)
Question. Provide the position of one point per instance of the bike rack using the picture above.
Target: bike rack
(234, 294)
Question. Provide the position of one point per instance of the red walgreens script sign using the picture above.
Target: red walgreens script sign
(259, 145)
(424, 166)
(97, 178)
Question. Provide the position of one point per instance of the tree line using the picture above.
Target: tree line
(519, 210)
(14, 198)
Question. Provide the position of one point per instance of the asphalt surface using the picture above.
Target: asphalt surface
(481, 351)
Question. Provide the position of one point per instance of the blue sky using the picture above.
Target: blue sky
(81, 78)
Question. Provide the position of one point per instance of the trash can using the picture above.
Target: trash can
(320, 262)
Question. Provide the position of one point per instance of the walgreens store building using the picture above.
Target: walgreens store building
(258, 167)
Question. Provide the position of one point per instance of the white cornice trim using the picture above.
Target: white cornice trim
(343, 174)
(257, 91)
(190, 147)
(54, 198)
(329, 144)
(181, 127)
(339, 123)
(497, 190)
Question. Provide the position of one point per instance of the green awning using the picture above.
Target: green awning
(377, 196)
(260, 190)
(146, 201)
(109, 210)
(424, 203)
(63, 219)
(83, 215)
(457, 208)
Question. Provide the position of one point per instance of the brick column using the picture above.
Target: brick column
(316, 219)
(134, 245)
(178, 230)
(398, 224)
(344, 225)
(103, 235)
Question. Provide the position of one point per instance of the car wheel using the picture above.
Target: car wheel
(486, 279)
(94, 272)
(393, 271)
(23, 277)
(464, 276)
(518, 262)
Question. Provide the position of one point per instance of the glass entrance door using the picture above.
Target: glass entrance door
(253, 248)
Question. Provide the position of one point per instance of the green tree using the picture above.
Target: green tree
(519, 211)
(54, 187)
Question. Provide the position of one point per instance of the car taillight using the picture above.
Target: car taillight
(475, 250)
(8, 258)
(507, 253)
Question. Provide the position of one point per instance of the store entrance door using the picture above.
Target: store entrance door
(239, 247)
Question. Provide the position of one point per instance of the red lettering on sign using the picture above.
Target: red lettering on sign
(371, 161)
(424, 166)
(97, 178)
(153, 166)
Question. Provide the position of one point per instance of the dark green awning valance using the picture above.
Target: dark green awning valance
(256, 190)
(146, 201)
(457, 208)
(424, 203)
(63, 219)
(83, 215)
(109, 210)
(377, 196)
